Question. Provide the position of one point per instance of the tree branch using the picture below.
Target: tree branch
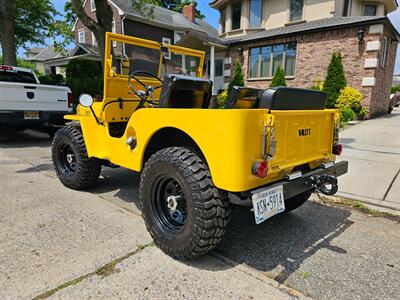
(86, 20)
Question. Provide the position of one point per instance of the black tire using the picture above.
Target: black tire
(296, 201)
(196, 220)
(71, 162)
(390, 109)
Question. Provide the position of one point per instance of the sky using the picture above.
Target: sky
(212, 17)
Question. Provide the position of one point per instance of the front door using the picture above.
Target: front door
(219, 80)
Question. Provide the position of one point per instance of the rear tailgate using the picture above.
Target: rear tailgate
(302, 136)
(33, 97)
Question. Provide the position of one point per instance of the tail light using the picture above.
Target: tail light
(260, 169)
(70, 100)
(337, 148)
(6, 68)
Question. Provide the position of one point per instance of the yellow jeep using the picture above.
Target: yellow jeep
(268, 150)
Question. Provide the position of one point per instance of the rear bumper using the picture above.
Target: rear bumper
(299, 185)
(16, 119)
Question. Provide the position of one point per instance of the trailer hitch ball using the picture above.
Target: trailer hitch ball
(322, 183)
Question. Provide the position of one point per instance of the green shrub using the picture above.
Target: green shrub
(335, 80)
(395, 89)
(362, 114)
(318, 85)
(349, 98)
(53, 79)
(84, 76)
(279, 78)
(222, 98)
(347, 114)
(238, 79)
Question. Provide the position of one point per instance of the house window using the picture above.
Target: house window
(236, 15)
(370, 9)
(92, 6)
(296, 10)
(166, 41)
(81, 36)
(382, 61)
(256, 8)
(223, 20)
(264, 61)
(219, 67)
(346, 8)
(94, 41)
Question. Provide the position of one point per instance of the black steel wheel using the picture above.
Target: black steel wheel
(184, 212)
(296, 201)
(70, 160)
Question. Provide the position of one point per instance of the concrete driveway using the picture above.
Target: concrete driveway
(373, 151)
(79, 245)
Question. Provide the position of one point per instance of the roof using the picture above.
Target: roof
(44, 54)
(35, 50)
(167, 19)
(88, 48)
(318, 25)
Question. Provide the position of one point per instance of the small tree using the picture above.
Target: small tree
(279, 78)
(238, 79)
(335, 80)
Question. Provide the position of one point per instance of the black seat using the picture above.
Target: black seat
(244, 97)
(279, 98)
(181, 91)
(285, 98)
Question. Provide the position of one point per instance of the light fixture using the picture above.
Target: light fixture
(360, 34)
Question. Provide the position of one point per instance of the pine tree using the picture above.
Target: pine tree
(238, 79)
(335, 80)
(279, 78)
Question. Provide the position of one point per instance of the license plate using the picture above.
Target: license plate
(31, 115)
(268, 203)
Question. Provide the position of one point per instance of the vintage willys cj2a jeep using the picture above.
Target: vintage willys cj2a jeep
(268, 150)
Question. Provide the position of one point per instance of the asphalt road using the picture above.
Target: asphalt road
(53, 236)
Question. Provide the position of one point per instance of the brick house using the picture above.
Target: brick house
(301, 35)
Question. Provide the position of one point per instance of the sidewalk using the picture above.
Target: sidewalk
(373, 151)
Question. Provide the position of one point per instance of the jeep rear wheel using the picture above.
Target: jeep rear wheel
(70, 160)
(184, 212)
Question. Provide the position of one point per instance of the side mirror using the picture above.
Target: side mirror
(86, 100)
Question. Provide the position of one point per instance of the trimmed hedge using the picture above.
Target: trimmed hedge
(52, 79)
(335, 80)
(84, 76)
(279, 78)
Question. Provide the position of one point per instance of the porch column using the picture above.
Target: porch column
(212, 66)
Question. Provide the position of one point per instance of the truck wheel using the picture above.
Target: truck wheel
(184, 212)
(296, 201)
(72, 165)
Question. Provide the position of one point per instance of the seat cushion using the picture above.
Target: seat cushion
(244, 97)
(285, 98)
(181, 91)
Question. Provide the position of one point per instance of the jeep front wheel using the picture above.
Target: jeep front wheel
(184, 212)
(70, 159)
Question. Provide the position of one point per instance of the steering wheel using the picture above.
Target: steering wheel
(149, 90)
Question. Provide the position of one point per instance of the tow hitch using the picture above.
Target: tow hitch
(322, 182)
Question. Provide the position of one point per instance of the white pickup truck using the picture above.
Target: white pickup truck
(27, 104)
